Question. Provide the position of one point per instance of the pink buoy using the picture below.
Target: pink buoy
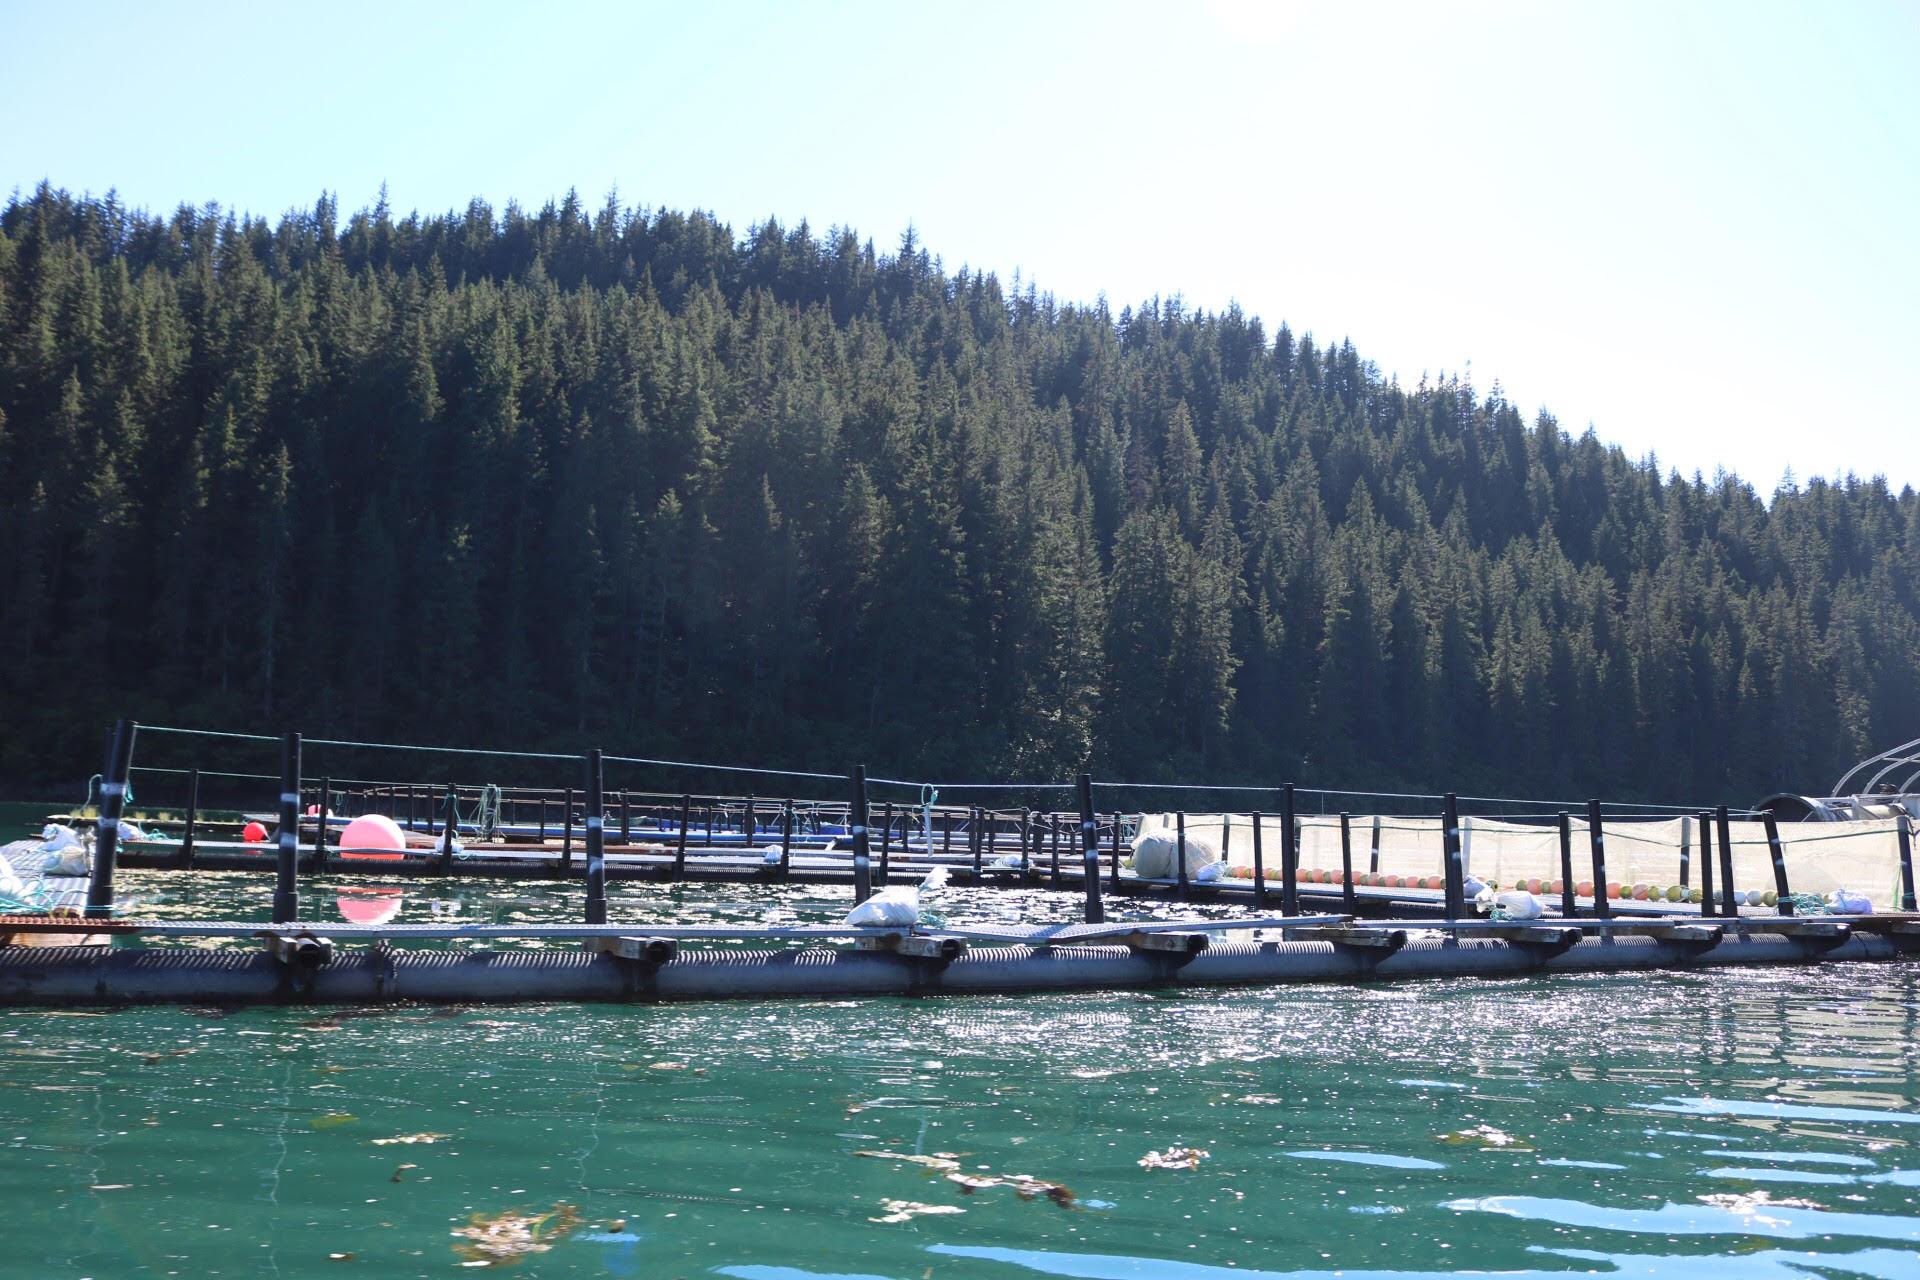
(370, 906)
(254, 833)
(374, 837)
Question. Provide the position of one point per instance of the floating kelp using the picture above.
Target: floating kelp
(939, 1161)
(1484, 1136)
(493, 1239)
(333, 1119)
(1024, 1185)
(908, 1210)
(1175, 1158)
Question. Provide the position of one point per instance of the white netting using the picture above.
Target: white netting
(1820, 857)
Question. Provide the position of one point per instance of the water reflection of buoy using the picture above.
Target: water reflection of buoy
(373, 837)
(369, 906)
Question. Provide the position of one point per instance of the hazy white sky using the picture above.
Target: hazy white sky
(1690, 224)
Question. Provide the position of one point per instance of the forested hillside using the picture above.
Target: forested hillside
(621, 477)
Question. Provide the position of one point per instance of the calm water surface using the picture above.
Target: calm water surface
(1757, 1123)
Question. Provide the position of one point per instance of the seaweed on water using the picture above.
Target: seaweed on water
(496, 1239)
(1175, 1158)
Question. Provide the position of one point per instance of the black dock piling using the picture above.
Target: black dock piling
(1904, 833)
(1180, 853)
(1259, 864)
(320, 827)
(566, 832)
(1686, 854)
(680, 841)
(626, 820)
(1026, 826)
(193, 819)
(113, 800)
(1373, 852)
(449, 830)
(286, 894)
(747, 826)
(1783, 896)
(975, 845)
(1729, 896)
(1569, 903)
(1289, 856)
(543, 819)
(596, 840)
(1349, 901)
(1090, 852)
(886, 843)
(1455, 869)
(862, 869)
(1115, 882)
(786, 840)
(1597, 841)
(1053, 824)
(1707, 905)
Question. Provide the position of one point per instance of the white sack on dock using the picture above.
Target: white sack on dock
(1156, 851)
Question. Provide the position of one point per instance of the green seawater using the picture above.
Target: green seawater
(1753, 1123)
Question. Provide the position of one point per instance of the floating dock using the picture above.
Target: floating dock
(315, 965)
(1319, 906)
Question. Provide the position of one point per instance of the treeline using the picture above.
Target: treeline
(620, 477)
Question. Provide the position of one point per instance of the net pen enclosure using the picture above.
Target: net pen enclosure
(344, 882)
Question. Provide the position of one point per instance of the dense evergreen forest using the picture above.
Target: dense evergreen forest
(616, 476)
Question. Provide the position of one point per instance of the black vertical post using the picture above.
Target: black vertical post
(1707, 905)
(1259, 864)
(1053, 822)
(786, 838)
(709, 839)
(1782, 903)
(1904, 833)
(946, 834)
(975, 846)
(626, 819)
(449, 829)
(1347, 897)
(976, 832)
(1373, 851)
(1597, 840)
(1455, 869)
(320, 827)
(566, 832)
(1026, 824)
(1289, 856)
(1180, 853)
(413, 813)
(543, 819)
(886, 842)
(1569, 907)
(680, 843)
(748, 826)
(193, 818)
(862, 876)
(1090, 852)
(1729, 896)
(1115, 882)
(1226, 836)
(113, 800)
(1686, 856)
(596, 839)
(286, 895)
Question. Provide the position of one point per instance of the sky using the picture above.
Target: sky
(1691, 226)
